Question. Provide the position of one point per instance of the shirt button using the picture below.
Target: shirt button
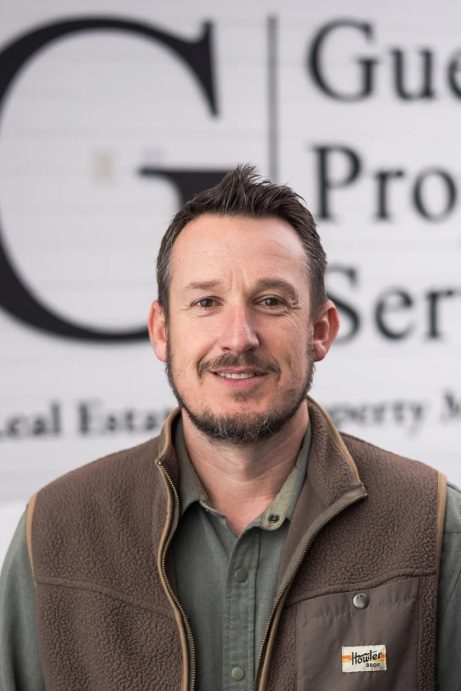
(240, 575)
(361, 601)
(238, 673)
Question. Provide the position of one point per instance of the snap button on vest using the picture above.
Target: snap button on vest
(361, 601)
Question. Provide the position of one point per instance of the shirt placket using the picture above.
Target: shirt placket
(239, 612)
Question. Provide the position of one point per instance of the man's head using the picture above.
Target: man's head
(244, 193)
(242, 313)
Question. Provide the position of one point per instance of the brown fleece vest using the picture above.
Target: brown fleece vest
(99, 536)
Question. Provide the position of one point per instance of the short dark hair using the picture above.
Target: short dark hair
(242, 192)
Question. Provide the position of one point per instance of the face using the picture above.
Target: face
(239, 341)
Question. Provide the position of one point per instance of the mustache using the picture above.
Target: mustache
(245, 360)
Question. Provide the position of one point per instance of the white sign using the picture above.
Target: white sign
(109, 119)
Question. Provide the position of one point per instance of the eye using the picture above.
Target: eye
(271, 301)
(205, 302)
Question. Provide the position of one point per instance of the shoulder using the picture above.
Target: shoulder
(15, 556)
(453, 512)
(94, 514)
(117, 483)
(371, 458)
(450, 567)
(122, 467)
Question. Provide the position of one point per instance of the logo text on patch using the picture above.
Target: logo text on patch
(364, 658)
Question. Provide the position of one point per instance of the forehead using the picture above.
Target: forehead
(252, 245)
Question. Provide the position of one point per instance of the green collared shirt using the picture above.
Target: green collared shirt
(227, 582)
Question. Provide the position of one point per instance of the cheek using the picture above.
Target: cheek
(295, 363)
(297, 360)
(190, 337)
(186, 356)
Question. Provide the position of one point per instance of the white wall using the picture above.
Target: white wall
(81, 227)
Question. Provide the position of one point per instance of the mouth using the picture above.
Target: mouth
(239, 377)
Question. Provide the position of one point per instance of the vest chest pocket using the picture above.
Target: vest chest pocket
(364, 639)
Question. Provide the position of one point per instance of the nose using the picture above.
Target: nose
(237, 330)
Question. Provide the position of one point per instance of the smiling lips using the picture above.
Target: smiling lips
(239, 378)
(238, 375)
(230, 367)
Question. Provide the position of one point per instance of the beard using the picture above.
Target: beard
(243, 429)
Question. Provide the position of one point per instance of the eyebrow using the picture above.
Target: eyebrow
(201, 285)
(262, 284)
(277, 284)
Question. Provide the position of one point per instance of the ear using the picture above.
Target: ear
(325, 329)
(156, 323)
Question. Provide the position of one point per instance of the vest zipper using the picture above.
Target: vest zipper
(293, 573)
(185, 621)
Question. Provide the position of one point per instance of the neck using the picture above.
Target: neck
(242, 480)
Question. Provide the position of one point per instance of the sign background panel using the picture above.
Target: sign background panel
(90, 131)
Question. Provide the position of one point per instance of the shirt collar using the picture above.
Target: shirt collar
(285, 501)
(191, 489)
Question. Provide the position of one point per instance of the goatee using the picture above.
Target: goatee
(243, 429)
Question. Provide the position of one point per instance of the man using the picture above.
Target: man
(251, 545)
